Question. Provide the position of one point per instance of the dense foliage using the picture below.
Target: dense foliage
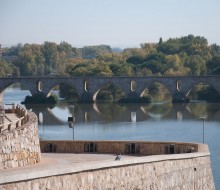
(189, 55)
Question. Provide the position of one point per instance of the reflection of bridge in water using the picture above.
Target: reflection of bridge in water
(122, 113)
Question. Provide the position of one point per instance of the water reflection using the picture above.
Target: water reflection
(103, 112)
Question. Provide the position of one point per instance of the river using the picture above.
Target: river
(158, 121)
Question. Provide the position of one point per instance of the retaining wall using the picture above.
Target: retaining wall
(174, 172)
(20, 146)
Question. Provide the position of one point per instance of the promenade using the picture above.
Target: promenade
(54, 164)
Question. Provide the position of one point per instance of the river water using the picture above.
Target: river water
(158, 121)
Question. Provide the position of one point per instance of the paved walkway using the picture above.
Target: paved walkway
(55, 164)
(58, 164)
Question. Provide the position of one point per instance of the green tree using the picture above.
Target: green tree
(121, 69)
(215, 50)
(51, 56)
(171, 46)
(214, 66)
(154, 65)
(197, 65)
(27, 63)
(7, 69)
(89, 52)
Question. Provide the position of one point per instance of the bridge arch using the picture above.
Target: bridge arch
(188, 90)
(198, 91)
(112, 88)
(18, 86)
(152, 85)
(67, 86)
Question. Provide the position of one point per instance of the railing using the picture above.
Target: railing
(22, 119)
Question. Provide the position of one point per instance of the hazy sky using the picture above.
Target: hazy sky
(124, 23)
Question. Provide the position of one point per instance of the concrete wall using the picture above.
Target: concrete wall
(173, 172)
(20, 146)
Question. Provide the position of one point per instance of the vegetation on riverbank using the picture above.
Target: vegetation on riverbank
(187, 55)
(40, 99)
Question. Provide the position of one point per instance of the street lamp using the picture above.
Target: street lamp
(71, 120)
(203, 125)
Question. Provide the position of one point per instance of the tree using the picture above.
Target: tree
(111, 57)
(89, 52)
(51, 56)
(155, 66)
(213, 66)
(160, 41)
(135, 60)
(102, 70)
(197, 65)
(121, 69)
(215, 50)
(8, 69)
(171, 46)
(149, 48)
(27, 63)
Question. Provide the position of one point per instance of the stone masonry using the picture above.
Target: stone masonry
(151, 174)
(88, 87)
(20, 146)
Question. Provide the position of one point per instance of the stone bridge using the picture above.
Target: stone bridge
(133, 87)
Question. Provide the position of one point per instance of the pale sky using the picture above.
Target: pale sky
(123, 23)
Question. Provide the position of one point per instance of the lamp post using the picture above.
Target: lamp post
(203, 128)
(71, 119)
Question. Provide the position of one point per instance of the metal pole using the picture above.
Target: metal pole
(73, 117)
(203, 129)
(73, 132)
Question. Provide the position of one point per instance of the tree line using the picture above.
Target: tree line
(188, 55)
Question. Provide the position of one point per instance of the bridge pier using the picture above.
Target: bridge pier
(180, 97)
(134, 97)
(86, 97)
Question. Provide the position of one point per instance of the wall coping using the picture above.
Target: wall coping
(33, 172)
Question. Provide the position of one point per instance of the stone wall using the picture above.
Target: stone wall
(123, 147)
(20, 146)
(186, 173)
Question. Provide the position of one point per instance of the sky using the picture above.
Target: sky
(118, 23)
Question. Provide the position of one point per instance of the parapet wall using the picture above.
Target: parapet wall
(123, 147)
(20, 146)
